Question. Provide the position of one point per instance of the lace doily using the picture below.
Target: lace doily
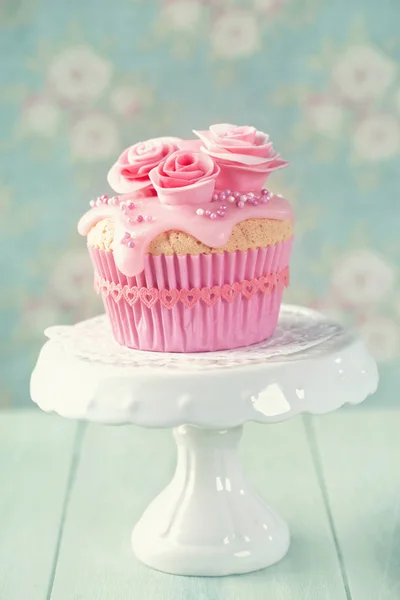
(299, 332)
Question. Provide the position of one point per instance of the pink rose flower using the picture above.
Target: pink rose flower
(192, 145)
(131, 171)
(244, 155)
(185, 177)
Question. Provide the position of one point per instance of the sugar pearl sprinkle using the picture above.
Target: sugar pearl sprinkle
(128, 239)
(125, 207)
(140, 219)
(100, 200)
(237, 199)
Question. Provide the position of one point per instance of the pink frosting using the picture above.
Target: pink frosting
(131, 171)
(150, 218)
(244, 155)
(185, 177)
(172, 185)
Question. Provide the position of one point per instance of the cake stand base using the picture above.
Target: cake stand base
(208, 520)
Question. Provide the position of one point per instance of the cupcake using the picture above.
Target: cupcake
(192, 254)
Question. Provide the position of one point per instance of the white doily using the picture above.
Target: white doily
(299, 331)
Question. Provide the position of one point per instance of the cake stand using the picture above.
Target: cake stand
(208, 520)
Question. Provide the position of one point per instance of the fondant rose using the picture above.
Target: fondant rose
(192, 145)
(244, 154)
(185, 177)
(131, 171)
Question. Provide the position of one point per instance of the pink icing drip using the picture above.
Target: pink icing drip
(215, 233)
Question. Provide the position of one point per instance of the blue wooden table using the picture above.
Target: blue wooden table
(70, 494)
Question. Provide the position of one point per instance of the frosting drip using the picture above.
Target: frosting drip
(139, 220)
(171, 184)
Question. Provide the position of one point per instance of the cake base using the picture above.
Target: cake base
(208, 520)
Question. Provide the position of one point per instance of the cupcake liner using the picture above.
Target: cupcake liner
(169, 307)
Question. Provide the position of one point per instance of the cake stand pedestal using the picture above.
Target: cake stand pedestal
(208, 520)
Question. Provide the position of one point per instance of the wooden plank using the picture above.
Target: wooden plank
(122, 469)
(36, 451)
(360, 454)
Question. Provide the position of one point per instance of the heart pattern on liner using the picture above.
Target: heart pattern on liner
(228, 292)
(116, 292)
(131, 295)
(189, 297)
(211, 295)
(249, 288)
(265, 284)
(169, 297)
(148, 296)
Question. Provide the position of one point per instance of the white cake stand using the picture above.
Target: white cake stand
(207, 521)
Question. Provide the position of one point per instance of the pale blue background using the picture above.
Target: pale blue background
(346, 201)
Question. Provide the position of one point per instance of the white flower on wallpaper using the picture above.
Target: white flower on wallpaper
(94, 137)
(382, 336)
(329, 308)
(72, 279)
(69, 296)
(377, 137)
(79, 104)
(128, 100)
(355, 106)
(397, 100)
(181, 15)
(38, 314)
(361, 294)
(268, 6)
(236, 34)
(363, 73)
(325, 115)
(380, 333)
(362, 279)
(78, 74)
(40, 116)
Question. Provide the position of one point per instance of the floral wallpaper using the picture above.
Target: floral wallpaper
(81, 80)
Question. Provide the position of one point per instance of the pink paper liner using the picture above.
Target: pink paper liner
(201, 328)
